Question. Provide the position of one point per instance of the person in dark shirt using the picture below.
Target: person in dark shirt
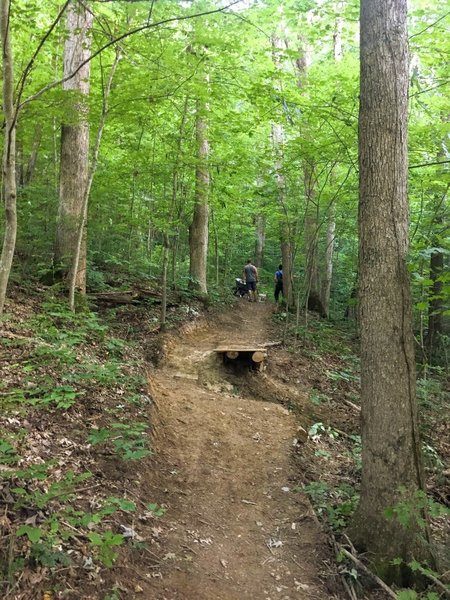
(250, 274)
(278, 283)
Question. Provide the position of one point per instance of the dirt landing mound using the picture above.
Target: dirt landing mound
(238, 529)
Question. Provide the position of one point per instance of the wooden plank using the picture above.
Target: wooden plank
(240, 349)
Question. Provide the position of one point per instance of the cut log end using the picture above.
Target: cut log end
(258, 356)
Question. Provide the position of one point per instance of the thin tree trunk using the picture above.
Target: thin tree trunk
(9, 155)
(198, 231)
(74, 148)
(76, 258)
(392, 473)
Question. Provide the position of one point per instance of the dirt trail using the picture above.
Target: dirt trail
(237, 528)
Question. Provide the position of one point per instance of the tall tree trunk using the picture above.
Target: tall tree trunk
(81, 227)
(9, 155)
(74, 147)
(392, 471)
(198, 231)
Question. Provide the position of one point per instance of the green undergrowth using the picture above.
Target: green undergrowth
(332, 455)
(74, 409)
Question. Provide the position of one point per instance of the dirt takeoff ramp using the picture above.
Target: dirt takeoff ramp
(236, 527)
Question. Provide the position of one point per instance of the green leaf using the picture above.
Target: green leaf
(96, 538)
(407, 595)
(127, 505)
(34, 534)
(157, 510)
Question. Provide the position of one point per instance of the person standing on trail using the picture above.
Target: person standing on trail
(278, 283)
(250, 276)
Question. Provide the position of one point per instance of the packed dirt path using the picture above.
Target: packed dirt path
(235, 528)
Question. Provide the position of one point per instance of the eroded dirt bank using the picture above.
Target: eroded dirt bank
(237, 526)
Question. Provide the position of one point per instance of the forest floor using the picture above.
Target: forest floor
(135, 464)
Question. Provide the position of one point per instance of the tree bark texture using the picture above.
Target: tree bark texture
(78, 254)
(9, 155)
(198, 231)
(391, 455)
(74, 146)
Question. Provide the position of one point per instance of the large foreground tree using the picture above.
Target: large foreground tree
(74, 145)
(392, 468)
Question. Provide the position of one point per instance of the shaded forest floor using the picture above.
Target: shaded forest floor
(138, 465)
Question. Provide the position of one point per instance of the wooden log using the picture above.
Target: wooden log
(258, 356)
(115, 297)
(111, 294)
(301, 434)
(272, 344)
(130, 297)
(232, 354)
